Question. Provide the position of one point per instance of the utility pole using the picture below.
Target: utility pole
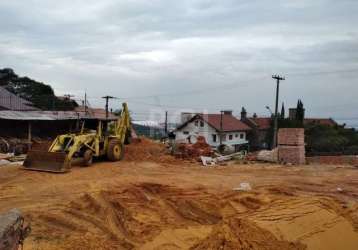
(166, 123)
(85, 106)
(221, 127)
(278, 79)
(107, 99)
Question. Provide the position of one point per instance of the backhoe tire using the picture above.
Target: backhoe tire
(87, 158)
(115, 150)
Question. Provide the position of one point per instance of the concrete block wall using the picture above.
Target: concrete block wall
(291, 146)
(291, 136)
(292, 154)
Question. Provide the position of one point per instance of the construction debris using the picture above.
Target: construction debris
(13, 145)
(268, 155)
(4, 156)
(12, 230)
(144, 149)
(208, 161)
(17, 158)
(4, 162)
(245, 186)
(212, 161)
(7, 159)
(194, 151)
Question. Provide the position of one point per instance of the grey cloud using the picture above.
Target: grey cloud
(141, 47)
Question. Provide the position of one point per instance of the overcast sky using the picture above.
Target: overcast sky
(198, 54)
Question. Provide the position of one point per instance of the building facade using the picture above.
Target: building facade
(217, 129)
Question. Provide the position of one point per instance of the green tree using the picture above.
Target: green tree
(282, 115)
(40, 94)
(300, 112)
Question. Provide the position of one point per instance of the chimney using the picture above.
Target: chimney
(227, 112)
(243, 114)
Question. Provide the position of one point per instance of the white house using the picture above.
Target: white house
(211, 126)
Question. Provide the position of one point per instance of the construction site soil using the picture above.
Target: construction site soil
(153, 201)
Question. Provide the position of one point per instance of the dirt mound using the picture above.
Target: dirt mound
(144, 149)
(194, 151)
(155, 216)
(240, 234)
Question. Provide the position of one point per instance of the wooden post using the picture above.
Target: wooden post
(29, 134)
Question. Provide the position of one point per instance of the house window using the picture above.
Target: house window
(214, 138)
(201, 124)
(242, 136)
(230, 137)
(185, 132)
(223, 138)
(196, 123)
(236, 135)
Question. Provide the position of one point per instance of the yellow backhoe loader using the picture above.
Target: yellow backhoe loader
(84, 145)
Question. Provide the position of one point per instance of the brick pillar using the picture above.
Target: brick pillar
(291, 146)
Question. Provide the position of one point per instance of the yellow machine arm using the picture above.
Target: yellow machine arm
(123, 123)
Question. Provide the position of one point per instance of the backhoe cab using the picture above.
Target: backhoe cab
(84, 145)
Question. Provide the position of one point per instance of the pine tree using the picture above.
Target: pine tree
(300, 112)
(283, 111)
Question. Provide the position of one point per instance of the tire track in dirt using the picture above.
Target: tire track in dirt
(162, 217)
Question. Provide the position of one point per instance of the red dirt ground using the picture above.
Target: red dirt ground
(153, 201)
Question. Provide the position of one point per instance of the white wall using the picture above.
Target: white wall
(207, 132)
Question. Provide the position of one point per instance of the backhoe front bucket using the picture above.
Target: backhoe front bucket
(47, 161)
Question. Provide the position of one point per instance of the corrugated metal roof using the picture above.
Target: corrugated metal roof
(46, 115)
(96, 113)
(37, 115)
(11, 101)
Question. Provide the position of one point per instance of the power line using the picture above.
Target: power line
(303, 74)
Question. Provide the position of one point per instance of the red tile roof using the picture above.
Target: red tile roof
(96, 113)
(265, 122)
(229, 122)
(262, 122)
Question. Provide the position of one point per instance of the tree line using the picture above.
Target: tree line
(319, 138)
(40, 94)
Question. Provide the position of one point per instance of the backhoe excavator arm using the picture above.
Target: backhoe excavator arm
(123, 123)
